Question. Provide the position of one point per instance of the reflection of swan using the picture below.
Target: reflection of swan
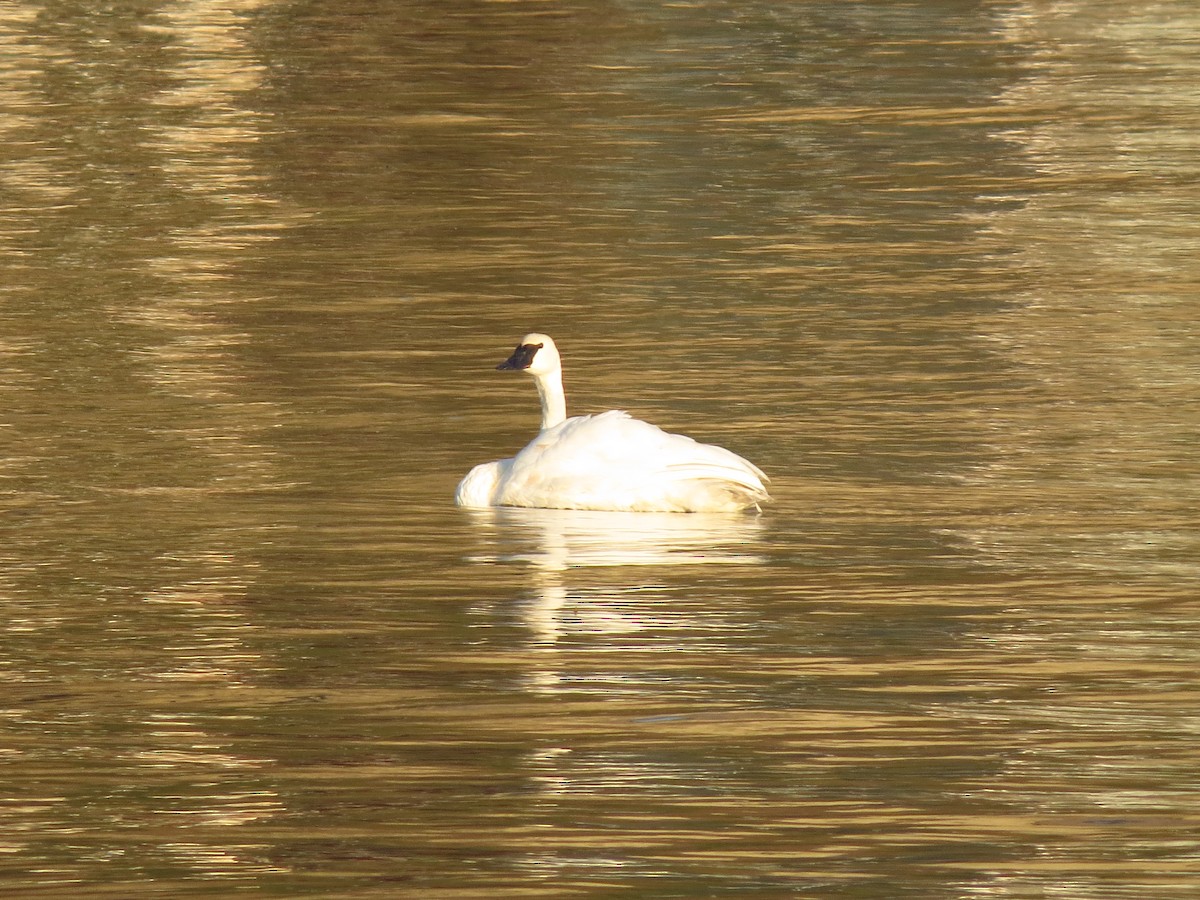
(555, 540)
(608, 461)
(558, 539)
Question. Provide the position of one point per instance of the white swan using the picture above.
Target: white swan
(608, 461)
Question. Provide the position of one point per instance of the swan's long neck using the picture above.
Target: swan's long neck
(554, 401)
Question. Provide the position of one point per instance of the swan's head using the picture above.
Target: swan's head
(536, 354)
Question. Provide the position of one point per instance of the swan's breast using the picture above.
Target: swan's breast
(480, 488)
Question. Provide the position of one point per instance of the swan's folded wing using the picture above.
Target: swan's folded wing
(613, 461)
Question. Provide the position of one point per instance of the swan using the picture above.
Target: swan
(608, 461)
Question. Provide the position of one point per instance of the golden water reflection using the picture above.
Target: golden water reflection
(932, 264)
(126, 145)
(1096, 468)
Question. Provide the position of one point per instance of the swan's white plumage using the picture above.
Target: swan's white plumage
(609, 461)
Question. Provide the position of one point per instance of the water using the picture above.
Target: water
(932, 265)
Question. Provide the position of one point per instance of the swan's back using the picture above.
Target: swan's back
(615, 462)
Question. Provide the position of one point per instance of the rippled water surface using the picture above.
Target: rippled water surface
(932, 265)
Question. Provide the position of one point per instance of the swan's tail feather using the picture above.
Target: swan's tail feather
(710, 472)
(741, 485)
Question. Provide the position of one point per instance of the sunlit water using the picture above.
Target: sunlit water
(933, 266)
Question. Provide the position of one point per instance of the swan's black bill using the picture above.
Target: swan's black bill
(522, 357)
